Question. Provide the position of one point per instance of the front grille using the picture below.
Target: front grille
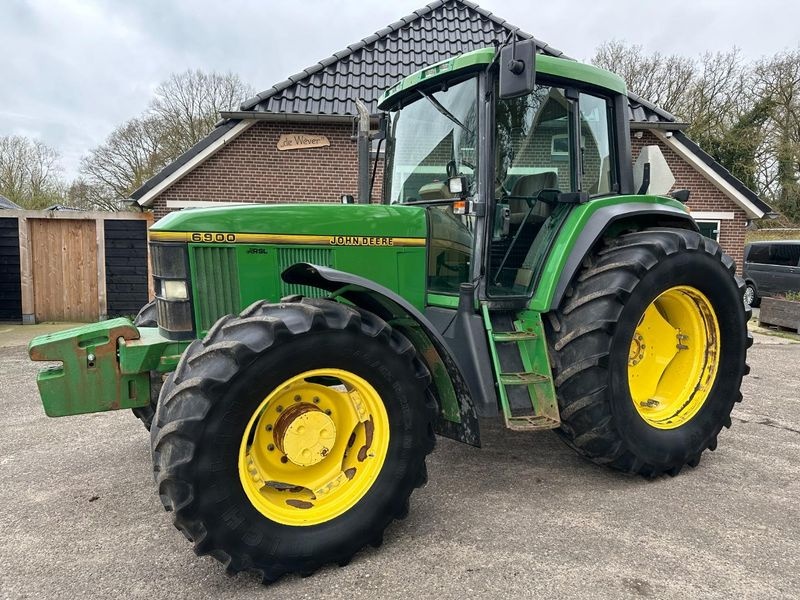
(316, 256)
(216, 284)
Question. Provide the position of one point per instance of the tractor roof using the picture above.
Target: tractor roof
(477, 59)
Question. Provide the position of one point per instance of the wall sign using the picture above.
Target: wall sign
(296, 141)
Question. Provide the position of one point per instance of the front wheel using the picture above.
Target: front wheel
(292, 435)
(649, 351)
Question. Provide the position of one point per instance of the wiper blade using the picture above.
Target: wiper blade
(438, 106)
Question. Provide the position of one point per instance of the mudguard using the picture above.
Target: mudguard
(457, 418)
(600, 221)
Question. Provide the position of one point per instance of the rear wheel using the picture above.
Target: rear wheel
(649, 351)
(148, 317)
(292, 436)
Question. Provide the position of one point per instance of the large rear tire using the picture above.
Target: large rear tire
(648, 351)
(292, 436)
(148, 317)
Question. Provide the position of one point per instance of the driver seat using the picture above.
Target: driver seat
(529, 186)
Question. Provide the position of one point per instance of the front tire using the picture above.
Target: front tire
(649, 350)
(259, 452)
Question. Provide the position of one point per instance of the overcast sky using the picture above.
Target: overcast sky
(71, 70)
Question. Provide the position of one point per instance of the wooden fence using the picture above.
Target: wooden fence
(73, 265)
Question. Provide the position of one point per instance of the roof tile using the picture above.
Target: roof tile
(366, 68)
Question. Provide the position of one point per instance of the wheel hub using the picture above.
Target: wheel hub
(636, 353)
(305, 434)
(671, 375)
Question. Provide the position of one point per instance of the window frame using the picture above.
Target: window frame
(613, 139)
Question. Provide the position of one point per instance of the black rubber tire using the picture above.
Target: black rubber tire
(756, 302)
(218, 384)
(148, 317)
(590, 334)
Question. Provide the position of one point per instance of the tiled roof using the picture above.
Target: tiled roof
(365, 69)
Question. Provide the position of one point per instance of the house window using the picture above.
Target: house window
(710, 229)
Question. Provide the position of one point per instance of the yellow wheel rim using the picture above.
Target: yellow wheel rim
(314, 447)
(674, 357)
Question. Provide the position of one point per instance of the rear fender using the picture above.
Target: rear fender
(605, 221)
(457, 418)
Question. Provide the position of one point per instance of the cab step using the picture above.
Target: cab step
(532, 423)
(524, 381)
(513, 336)
(524, 378)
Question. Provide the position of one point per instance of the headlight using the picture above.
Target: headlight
(174, 290)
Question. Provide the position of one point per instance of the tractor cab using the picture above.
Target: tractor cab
(495, 154)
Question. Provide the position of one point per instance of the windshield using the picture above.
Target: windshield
(432, 138)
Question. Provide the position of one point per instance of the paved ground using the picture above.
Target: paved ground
(523, 517)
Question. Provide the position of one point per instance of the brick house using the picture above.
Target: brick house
(240, 161)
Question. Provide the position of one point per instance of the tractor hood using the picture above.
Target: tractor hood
(326, 224)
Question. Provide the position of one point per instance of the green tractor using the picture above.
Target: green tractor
(519, 266)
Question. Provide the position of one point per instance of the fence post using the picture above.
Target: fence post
(26, 272)
(102, 302)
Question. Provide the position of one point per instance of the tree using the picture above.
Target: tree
(188, 105)
(133, 153)
(185, 108)
(778, 78)
(655, 77)
(29, 172)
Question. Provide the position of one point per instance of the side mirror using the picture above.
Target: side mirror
(517, 69)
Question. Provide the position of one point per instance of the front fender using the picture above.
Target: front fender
(457, 417)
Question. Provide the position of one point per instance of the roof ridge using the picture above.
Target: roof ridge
(382, 33)
(650, 106)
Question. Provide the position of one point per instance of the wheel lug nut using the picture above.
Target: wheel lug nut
(297, 398)
(328, 411)
(271, 447)
(269, 427)
(316, 399)
(279, 409)
(284, 459)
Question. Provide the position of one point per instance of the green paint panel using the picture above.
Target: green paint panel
(555, 249)
(151, 352)
(307, 219)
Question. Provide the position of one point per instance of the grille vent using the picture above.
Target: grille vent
(216, 287)
(316, 256)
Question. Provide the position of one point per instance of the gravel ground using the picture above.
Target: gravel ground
(522, 517)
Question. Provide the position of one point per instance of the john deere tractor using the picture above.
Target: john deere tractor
(520, 267)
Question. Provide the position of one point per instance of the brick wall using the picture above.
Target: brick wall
(251, 169)
(705, 197)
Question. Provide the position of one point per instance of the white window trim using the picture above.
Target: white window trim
(196, 160)
(201, 203)
(700, 215)
(753, 212)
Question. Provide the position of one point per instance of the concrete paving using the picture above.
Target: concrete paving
(522, 517)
